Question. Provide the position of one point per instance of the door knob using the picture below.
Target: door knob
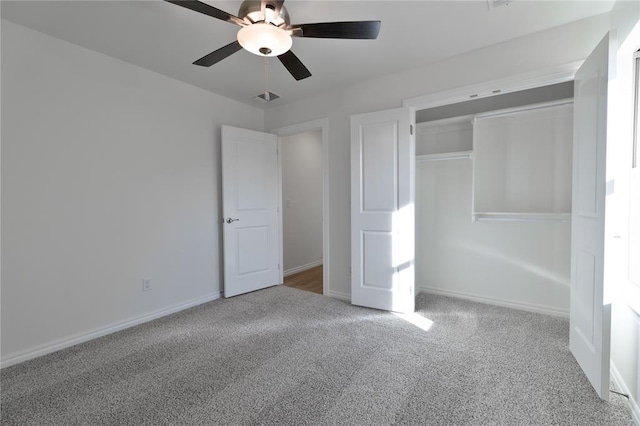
(229, 220)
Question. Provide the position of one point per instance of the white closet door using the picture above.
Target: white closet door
(382, 210)
(590, 317)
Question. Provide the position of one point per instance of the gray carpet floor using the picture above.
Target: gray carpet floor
(283, 356)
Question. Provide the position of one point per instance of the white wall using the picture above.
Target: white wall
(538, 51)
(301, 157)
(523, 160)
(109, 175)
(625, 321)
(517, 264)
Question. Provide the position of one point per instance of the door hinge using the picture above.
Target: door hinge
(278, 266)
(411, 129)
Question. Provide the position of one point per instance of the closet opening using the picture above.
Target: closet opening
(493, 199)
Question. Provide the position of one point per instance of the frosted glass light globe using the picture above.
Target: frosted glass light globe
(264, 39)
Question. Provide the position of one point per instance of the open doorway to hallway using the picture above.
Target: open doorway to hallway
(302, 210)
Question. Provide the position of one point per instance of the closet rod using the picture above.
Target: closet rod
(522, 109)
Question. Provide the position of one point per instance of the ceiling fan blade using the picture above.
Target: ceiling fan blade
(351, 30)
(208, 10)
(294, 65)
(218, 55)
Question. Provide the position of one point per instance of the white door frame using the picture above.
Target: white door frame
(322, 125)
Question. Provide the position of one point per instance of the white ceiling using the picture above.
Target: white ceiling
(166, 38)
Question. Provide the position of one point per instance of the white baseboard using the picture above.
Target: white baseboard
(541, 309)
(301, 268)
(339, 295)
(622, 386)
(56, 345)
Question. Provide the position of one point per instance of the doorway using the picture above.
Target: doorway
(304, 205)
(589, 310)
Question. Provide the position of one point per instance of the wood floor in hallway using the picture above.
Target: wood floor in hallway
(309, 280)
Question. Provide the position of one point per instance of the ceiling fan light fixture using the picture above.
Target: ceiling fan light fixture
(264, 39)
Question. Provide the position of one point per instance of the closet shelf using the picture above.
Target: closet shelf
(521, 217)
(459, 155)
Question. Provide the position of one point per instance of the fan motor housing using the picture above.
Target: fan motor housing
(251, 10)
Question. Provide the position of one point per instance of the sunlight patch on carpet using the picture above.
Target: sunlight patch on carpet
(416, 319)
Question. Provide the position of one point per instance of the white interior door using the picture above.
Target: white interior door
(250, 193)
(382, 210)
(590, 317)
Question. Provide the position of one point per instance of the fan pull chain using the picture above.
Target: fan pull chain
(267, 96)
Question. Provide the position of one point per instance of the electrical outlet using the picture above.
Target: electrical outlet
(146, 284)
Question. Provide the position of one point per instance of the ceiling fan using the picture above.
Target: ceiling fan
(265, 30)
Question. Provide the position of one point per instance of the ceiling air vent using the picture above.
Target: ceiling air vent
(497, 3)
(267, 97)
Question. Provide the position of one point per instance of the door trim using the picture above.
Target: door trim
(322, 125)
